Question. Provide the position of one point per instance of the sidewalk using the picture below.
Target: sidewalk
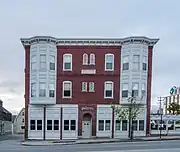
(95, 141)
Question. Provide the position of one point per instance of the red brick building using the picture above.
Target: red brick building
(70, 85)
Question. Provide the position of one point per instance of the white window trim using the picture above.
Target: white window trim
(112, 89)
(63, 62)
(84, 57)
(92, 58)
(70, 90)
(112, 62)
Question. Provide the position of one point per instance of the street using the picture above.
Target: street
(13, 145)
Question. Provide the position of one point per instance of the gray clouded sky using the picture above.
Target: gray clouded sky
(82, 18)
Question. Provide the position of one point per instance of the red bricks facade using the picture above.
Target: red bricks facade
(77, 78)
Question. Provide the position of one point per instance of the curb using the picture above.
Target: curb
(47, 144)
(98, 142)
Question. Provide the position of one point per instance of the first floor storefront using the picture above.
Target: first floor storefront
(79, 121)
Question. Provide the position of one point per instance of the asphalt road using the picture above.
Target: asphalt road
(13, 145)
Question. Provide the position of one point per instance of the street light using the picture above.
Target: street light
(161, 114)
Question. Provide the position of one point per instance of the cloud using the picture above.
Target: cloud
(102, 18)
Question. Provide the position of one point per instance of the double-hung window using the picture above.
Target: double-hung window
(125, 65)
(108, 89)
(67, 89)
(43, 61)
(67, 62)
(135, 89)
(42, 89)
(33, 62)
(33, 89)
(109, 62)
(125, 88)
(51, 90)
(136, 62)
(52, 62)
(144, 64)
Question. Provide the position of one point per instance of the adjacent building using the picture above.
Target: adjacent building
(70, 85)
(173, 97)
(18, 123)
(5, 120)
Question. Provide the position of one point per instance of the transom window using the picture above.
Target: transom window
(108, 89)
(67, 89)
(109, 62)
(67, 62)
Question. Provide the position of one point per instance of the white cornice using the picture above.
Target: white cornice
(89, 42)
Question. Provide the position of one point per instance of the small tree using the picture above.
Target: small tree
(174, 108)
(128, 111)
(123, 111)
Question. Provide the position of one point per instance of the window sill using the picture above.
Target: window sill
(67, 70)
(108, 70)
(67, 97)
(108, 97)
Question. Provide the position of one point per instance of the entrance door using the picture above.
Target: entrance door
(86, 126)
(86, 129)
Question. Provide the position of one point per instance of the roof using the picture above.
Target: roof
(5, 111)
(90, 41)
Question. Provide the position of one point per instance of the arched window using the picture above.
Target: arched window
(92, 59)
(85, 59)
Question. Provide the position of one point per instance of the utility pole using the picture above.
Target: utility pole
(130, 117)
(130, 133)
(160, 112)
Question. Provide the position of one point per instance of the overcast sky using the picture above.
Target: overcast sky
(82, 18)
